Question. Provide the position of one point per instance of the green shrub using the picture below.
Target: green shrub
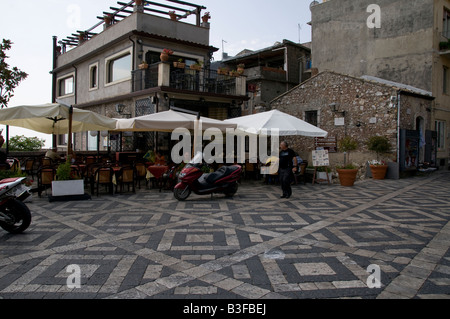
(63, 172)
(379, 145)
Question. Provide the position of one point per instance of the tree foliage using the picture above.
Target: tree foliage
(25, 144)
(9, 77)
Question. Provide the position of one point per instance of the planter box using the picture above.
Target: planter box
(68, 188)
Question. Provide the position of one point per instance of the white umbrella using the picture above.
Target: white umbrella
(288, 125)
(54, 119)
(167, 122)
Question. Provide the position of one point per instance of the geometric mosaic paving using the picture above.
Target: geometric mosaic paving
(317, 244)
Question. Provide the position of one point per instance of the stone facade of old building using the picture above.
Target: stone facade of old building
(360, 108)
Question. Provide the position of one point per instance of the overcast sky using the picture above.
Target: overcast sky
(30, 24)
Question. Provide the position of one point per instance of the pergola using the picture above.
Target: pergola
(182, 10)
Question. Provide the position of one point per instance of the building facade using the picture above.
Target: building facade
(344, 106)
(271, 71)
(401, 41)
(116, 69)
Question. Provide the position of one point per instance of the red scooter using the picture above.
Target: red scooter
(192, 179)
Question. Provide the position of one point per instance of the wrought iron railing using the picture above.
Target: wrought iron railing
(203, 80)
(186, 79)
(145, 78)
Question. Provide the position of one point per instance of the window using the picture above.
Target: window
(118, 67)
(311, 117)
(93, 76)
(440, 129)
(445, 81)
(66, 86)
(446, 24)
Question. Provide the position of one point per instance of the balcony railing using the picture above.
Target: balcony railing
(187, 79)
(145, 78)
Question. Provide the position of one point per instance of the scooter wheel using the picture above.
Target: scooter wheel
(232, 190)
(182, 194)
(20, 217)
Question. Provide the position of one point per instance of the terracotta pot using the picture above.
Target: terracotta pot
(180, 65)
(378, 171)
(143, 66)
(347, 177)
(164, 57)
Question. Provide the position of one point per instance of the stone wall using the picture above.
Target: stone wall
(370, 110)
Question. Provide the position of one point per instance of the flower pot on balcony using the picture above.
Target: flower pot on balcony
(378, 171)
(164, 57)
(143, 66)
(195, 67)
(179, 65)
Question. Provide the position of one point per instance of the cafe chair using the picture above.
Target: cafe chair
(29, 167)
(104, 176)
(47, 161)
(300, 176)
(141, 173)
(126, 176)
(46, 175)
(89, 176)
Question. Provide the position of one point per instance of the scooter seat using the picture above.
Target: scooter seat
(220, 173)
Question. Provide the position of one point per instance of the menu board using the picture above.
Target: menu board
(320, 158)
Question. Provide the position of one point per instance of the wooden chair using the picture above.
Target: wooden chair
(46, 175)
(301, 174)
(89, 176)
(47, 161)
(141, 173)
(29, 167)
(126, 176)
(104, 176)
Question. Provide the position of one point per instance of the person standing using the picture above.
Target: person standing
(288, 166)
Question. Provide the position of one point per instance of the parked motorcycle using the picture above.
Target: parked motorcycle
(15, 217)
(192, 179)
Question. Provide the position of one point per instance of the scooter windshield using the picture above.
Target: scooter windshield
(198, 159)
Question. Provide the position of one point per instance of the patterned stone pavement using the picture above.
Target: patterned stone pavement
(318, 244)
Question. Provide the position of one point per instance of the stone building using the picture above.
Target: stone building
(344, 105)
(399, 40)
(102, 69)
(271, 71)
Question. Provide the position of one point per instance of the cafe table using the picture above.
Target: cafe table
(157, 172)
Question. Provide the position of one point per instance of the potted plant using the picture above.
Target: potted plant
(197, 66)
(206, 17)
(108, 18)
(241, 68)
(234, 73)
(347, 172)
(179, 64)
(66, 183)
(379, 145)
(165, 55)
(143, 65)
(223, 71)
(173, 15)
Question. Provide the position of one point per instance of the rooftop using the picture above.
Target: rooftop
(174, 9)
